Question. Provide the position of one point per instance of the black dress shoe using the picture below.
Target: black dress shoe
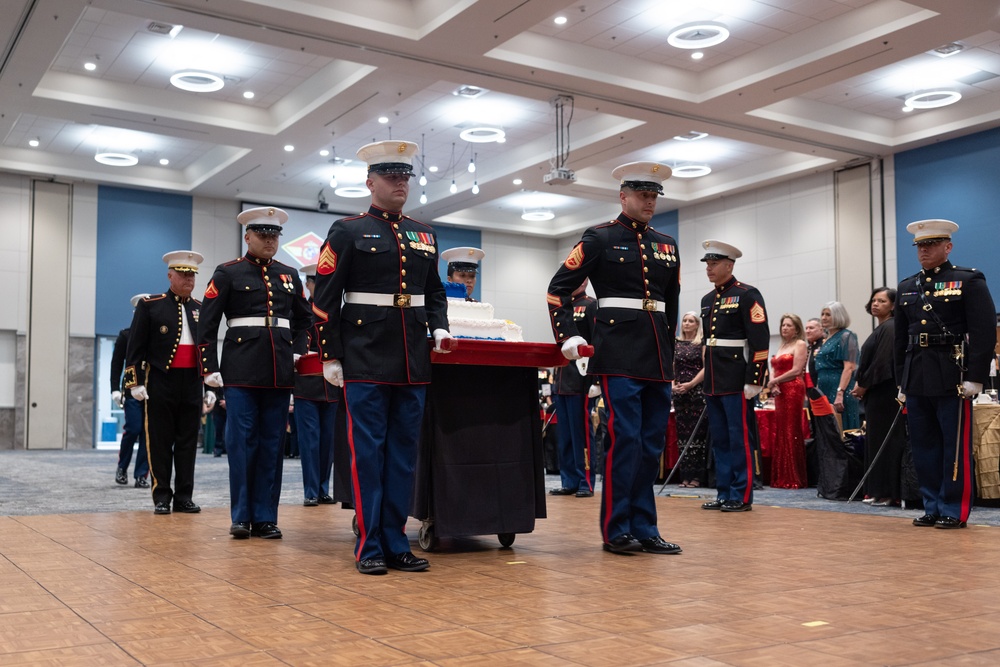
(736, 506)
(326, 499)
(187, 507)
(141, 483)
(949, 522)
(562, 492)
(266, 530)
(584, 493)
(623, 544)
(925, 521)
(372, 566)
(657, 545)
(162, 508)
(310, 502)
(120, 476)
(240, 530)
(713, 505)
(407, 562)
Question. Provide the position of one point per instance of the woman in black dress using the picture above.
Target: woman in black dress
(689, 402)
(877, 388)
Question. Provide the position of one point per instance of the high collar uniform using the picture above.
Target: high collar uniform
(734, 311)
(623, 258)
(379, 252)
(253, 356)
(156, 335)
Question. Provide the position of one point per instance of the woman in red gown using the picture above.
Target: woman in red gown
(788, 458)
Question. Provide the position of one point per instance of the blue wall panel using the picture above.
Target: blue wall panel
(955, 180)
(134, 229)
(453, 237)
(667, 223)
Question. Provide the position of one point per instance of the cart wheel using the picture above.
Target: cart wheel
(506, 539)
(354, 525)
(426, 538)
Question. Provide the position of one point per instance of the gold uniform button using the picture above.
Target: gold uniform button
(621, 259)
(402, 285)
(239, 340)
(264, 269)
(558, 324)
(923, 321)
(611, 321)
(399, 235)
(403, 258)
(927, 293)
(395, 226)
(373, 248)
(645, 258)
(646, 281)
(647, 293)
(645, 269)
(359, 321)
(927, 280)
(402, 272)
(270, 304)
(401, 247)
(322, 342)
(642, 246)
(247, 287)
(269, 293)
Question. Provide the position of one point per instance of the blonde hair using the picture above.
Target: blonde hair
(800, 331)
(697, 331)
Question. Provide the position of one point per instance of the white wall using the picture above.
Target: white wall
(786, 233)
(15, 229)
(216, 235)
(516, 278)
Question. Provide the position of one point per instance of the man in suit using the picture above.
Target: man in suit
(635, 271)
(162, 371)
(133, 430)
(316, 402)
(378, 296)
(944, 339)
(736, 339)
(265, 309)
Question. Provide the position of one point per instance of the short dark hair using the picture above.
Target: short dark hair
(889, 293)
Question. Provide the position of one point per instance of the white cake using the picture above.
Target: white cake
(472, 319)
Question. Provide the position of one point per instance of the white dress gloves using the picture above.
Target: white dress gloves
(441, 335)
(139, 392)
(569, 347)
(214, 379)
(333, 371)
(210, 399)
(594, 391)
(116, 396)
(970, 389)
(751, 391)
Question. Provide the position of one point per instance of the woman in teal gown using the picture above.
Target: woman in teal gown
(836, 362)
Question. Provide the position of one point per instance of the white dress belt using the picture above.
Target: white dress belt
(726, 342)
(278, 322)
(635, 304)
(391, 300)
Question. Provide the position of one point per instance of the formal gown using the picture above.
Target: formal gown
(876, 373)
(687, 408)
(788, 457)
(838, 348)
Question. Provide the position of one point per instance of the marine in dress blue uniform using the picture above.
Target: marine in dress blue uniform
(265, 309)
(378, 295)
(736, 339)
(162, 371)
(635, 271)
(463, 267)
(316, 402)
(133, 429)
(570, 394)
(944, 338)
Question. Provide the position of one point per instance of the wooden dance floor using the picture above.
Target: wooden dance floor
(771, 587)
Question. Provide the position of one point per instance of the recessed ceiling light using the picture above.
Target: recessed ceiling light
(691, 136)
(469, 92)
(482, 135)
(164, 161)
(698, 35)
(537, 215)
(289, 148)
(352, 191)
(697, 55)
(383, 119)
(197, 81)
(248, 94)
(90, 67)
(947, 50)
(117, 159)
(932, 99)
(517, 181)
(560, 20)
(432, 169)
(324, 152)
(33, 143)
(691, 170)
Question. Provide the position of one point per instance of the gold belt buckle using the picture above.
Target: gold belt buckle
(922, 341)
(268, 321)
(401, 300)
(648, 304)
(710, 342)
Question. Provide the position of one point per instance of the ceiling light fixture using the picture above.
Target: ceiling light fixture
(472, 164)
(324, 152)
(90, 67)
(248, 94)
(482, 135)
(352, 191)
(691, 170)
(383, 119)
(164, 161)
(454, 188)
(433, 169)
(932, 99)
(116, 159)
(196, 81)
(423, 197)
(469, 92)
(33, 143)
(517, 181)
(949, 49)
(698, 35)
(333, 182)
(907, 109)
(560, 20)
(697, 55)
(475, 187)
(289, 148)
(537, 215)
(691, 136)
